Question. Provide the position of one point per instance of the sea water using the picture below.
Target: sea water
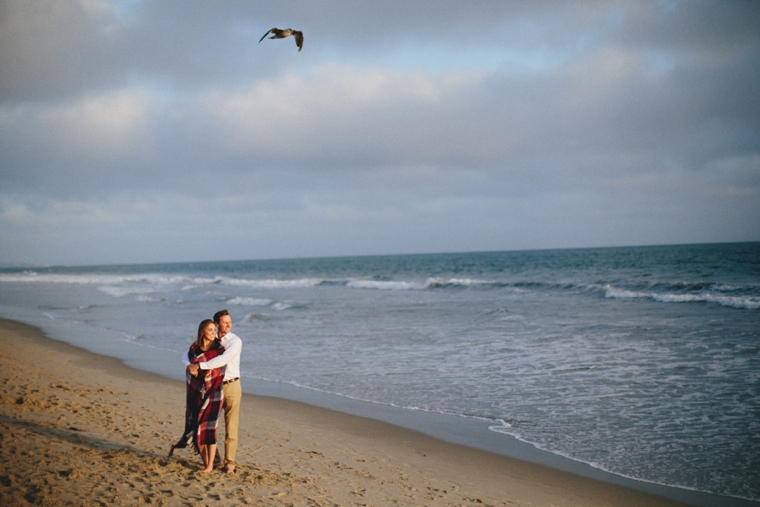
(641, 361)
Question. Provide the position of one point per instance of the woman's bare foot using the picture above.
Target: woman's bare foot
(207, 453)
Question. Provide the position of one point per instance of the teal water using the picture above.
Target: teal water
(641, 361)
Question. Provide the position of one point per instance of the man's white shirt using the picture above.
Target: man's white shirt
(233, 345)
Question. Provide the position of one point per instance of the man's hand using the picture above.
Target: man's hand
(192, 369)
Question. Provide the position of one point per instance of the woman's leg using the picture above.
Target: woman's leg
(204, 452)
(208, 452)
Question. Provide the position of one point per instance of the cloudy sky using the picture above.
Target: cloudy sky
(140, 131)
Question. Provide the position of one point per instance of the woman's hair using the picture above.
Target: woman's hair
(201, 330)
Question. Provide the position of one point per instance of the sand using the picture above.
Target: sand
(82, 429)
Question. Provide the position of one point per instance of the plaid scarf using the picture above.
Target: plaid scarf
(204, 400)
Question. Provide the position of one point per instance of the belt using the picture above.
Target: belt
(230, 381)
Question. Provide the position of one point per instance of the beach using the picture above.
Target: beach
(83, 429)
(632, 366)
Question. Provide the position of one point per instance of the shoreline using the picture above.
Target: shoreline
(474, 434)
(68, 411)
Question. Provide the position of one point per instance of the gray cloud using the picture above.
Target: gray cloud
(602, 123)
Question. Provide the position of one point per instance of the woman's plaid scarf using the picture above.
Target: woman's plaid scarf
(204, 399)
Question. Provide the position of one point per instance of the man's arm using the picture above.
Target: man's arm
(233, 350)
(191, 368)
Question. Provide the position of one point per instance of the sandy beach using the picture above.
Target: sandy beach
(83, 429)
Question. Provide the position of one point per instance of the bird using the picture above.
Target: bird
(278, 33)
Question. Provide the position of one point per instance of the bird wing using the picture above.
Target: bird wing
(270, 31)
(299, 39)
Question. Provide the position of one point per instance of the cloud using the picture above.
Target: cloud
(53, 49)
(91, 130)
(399, 128)
(341, 114)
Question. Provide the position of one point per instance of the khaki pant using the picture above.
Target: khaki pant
(232, 395)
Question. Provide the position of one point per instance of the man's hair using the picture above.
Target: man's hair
(218, 315)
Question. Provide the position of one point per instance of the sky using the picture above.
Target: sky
(140, 131)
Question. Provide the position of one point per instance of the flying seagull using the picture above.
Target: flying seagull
(278, 33)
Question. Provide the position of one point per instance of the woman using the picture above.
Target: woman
(204, 397)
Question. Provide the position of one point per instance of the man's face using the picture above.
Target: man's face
(225, 325)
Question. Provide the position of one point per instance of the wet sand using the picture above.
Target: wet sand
(77, 428)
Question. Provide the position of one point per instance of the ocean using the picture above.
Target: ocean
(640, 361)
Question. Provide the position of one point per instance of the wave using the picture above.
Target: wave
(246, 301)
(440, 283)
(101, 279)
(189, 282)
(145, 285)
(385, 285)
(272, 283)
(707, 293)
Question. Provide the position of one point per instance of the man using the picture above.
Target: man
(233, 392)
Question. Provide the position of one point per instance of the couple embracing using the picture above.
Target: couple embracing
(213, 383)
